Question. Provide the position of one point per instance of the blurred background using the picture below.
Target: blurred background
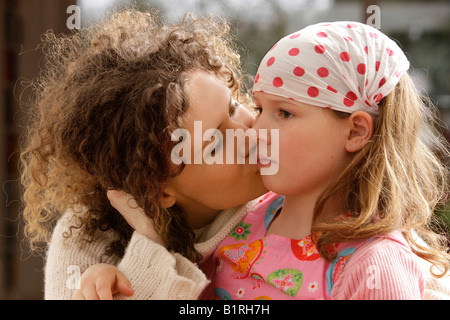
(422, 29)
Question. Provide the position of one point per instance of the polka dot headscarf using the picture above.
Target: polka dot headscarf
(345, 66)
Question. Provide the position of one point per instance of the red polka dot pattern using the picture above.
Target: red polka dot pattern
(277, 82)
(345, 66)
(319, 48)
(361, 68)
(298, 71)
(294, 51)
(345, 56)
(332, 89)
(313, 92)
(323, 72)
(256, 78)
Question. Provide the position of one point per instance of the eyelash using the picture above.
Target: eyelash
(234, 107)
(282, 113)
(285, 114)
(258, 111)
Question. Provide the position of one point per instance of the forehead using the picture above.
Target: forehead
(208, 98)
(204, 86)
(268, 98)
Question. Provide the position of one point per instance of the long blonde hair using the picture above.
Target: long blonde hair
(396, 182)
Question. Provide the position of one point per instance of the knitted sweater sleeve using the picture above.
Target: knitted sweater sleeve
(154, 272)
(381, 270)
(67, 258)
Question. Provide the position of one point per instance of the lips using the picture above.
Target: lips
(264, 161)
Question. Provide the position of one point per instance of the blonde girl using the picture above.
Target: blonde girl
(359, 177)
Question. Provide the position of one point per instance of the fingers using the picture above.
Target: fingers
(132, 213)
(127, 206)
(121, 199)
(78, 295)
(101, 282)
(123, 286)
(87, 293)
(104, 291)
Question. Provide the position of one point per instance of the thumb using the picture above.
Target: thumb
(123, 285)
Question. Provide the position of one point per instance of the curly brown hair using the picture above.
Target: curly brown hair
(104, 107)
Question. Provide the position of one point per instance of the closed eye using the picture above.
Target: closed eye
(258, 111)
(234, 105)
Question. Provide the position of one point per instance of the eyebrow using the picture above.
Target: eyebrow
(285, 101)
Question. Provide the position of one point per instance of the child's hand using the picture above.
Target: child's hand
(102, 281)
(133, 214)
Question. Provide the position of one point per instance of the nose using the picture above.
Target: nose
(262, 128)
(243, 119)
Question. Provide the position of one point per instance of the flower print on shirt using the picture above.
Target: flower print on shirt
(289, 281)
(240, 293)
(305, 249)
(242, 256)
(313, 286)
(241, 231)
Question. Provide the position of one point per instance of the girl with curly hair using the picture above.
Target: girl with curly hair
(106, 104)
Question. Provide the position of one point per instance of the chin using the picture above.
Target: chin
(259, 187)
(274, 186)
(250, 193)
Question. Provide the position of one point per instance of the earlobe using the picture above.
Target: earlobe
(168, 198)
(361, 130)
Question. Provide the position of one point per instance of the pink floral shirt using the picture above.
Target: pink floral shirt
(251, 265)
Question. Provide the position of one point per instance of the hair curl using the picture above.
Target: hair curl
(396, 182)
(104, 107)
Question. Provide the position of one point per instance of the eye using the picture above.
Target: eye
(233, 107)
(285, 114)
(258, 111)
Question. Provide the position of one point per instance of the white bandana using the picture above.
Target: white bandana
(345, 66)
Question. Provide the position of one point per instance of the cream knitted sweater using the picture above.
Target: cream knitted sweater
(154, 272)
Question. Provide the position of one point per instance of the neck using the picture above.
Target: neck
(295, 218)
(198, 216)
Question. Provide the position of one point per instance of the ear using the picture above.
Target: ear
(169, 197)
(361, 131)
